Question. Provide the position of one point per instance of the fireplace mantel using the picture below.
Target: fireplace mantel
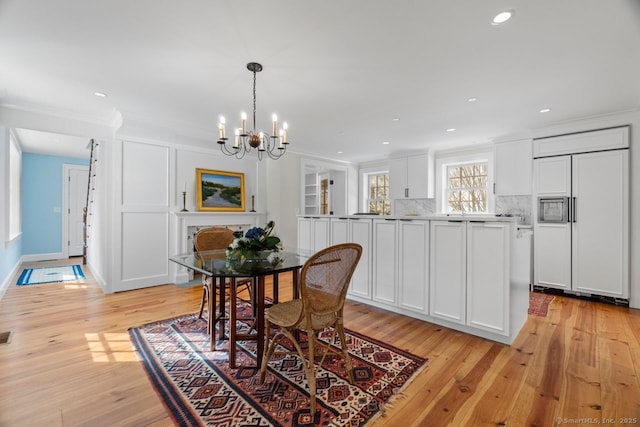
(184, 220)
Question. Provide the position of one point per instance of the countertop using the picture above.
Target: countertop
(441, 217)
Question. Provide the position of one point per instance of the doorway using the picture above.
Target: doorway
(74, 195)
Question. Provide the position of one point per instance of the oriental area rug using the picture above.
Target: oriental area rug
(198, 387)
(539, 303)
(65, 273)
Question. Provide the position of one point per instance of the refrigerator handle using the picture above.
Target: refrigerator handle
(573, 210)
(569, 216)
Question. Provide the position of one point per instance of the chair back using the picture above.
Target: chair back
(325, 277)
(212, 238)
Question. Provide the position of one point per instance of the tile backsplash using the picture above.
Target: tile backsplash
(513, 205)
(415, 207)
(516, 206)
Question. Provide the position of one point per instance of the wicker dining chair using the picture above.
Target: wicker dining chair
(215, 238)
(324, 280)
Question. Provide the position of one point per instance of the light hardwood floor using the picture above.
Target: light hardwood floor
(70, 362)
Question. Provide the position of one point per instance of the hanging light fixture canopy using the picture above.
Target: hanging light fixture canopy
(275, 145)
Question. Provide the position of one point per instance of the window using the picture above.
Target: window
(464, 181)
(378, 193)
(467, 187)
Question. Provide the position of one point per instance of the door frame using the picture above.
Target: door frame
(66, 170)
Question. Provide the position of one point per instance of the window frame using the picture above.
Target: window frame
(365, 173)
(459, 159)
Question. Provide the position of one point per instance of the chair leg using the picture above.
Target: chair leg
(268, 345)
(205, 297)
(345, 352)
(311, 371)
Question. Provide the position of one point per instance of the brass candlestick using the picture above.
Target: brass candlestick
(253, 201)
(184, 202)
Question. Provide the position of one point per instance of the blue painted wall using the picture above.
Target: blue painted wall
(41, 196)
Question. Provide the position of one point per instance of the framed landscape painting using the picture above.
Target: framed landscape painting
(219, 191)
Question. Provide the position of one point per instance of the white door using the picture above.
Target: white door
(77, 180)
(552, 241)
(339, 230)
(601, 223)
(360, 232)
(413, 265)
(305, 236)
(488, 255)
(320, 234)
(384, 266)
(448, 270)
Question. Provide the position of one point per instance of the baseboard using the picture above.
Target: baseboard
(9, 279)
(43, 257)
(98, 278)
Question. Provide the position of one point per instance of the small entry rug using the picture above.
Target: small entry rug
(539, 303)
(198, 387)
(66, 273)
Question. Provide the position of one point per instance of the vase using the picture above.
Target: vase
(251, 261)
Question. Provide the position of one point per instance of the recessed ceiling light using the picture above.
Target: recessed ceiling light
(385, 142)
(472, 99)
(100, 94)
(451, 130)
(395, 119)
(339, 152)
(502, 17)
(545, 110)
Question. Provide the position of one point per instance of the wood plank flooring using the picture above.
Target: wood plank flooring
(70, 362)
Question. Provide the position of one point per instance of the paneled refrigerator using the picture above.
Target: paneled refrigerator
(581, 223)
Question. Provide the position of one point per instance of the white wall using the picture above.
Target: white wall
(148, 178)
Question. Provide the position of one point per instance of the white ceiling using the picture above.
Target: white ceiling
(337, 71)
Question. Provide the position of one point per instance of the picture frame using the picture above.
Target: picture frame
(219, 191)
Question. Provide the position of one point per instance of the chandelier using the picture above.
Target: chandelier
(275, 145)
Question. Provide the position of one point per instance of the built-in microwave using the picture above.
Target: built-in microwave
(553, 209)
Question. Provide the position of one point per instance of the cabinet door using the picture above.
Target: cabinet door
(384, 266)
(360, 232)
(305, 236)
(601, 223)
(321, 234)
(418, 176)
(488, 256)
(398, 178)
(448, 272)
(413, 265)
(552, 176)
(339, 230)
(513, 166)
(552, 255)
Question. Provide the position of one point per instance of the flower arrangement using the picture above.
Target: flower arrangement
(257, 243)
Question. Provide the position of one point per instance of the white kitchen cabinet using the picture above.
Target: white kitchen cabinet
(513, 168)
(448, 270)
(411, 177)
(413, 265)
(305, 236)
(360, 232)
(488, 260)
(313, 234)
(469, 274)
(385, 266)
(339, 230)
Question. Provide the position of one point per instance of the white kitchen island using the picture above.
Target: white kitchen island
(461, 272)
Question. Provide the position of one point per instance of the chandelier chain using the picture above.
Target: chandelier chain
(254, 101)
